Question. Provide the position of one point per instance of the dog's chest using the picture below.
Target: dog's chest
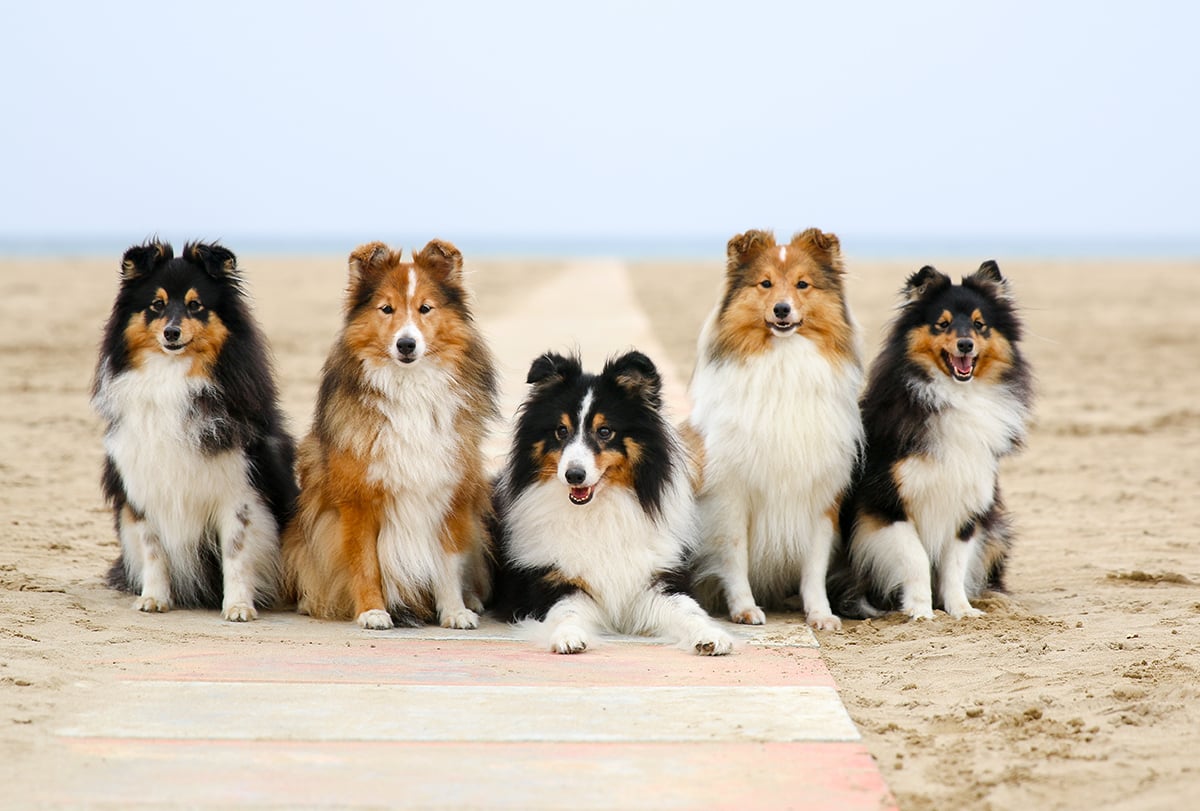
(787, 414)
(154, 439)
(954, 480)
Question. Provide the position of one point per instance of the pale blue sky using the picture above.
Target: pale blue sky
(556, 120)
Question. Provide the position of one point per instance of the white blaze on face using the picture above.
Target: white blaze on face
(783, 254)
(577, 455)
(410, 331)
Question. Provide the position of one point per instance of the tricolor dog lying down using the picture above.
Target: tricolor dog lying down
(595, 519)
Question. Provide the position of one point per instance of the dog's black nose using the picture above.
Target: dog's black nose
(782, 310)
(575, 476)
(172, 334)
(965, 346)
(406, 345)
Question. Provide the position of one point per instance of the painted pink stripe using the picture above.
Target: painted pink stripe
(458, 775)
(489, 663)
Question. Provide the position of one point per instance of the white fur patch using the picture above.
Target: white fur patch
(415, 457)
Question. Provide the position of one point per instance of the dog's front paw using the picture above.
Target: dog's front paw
(151, 604)
(919, 612)
(749, 616)
(375, 620)
(714, 642)
(963, 611)
(462, 618)
(239, 612)
(824, 622)
(568, 639)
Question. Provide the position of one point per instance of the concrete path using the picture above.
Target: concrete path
(291, 712)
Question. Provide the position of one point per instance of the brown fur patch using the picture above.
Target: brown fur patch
(693, 445)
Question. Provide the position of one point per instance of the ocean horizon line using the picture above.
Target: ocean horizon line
(635, 248)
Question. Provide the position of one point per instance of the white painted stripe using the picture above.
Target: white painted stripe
(485, 714)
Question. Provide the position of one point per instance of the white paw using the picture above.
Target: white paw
(463, 618)
(749, 616)
(568, 639)
(714, 642)
(239, 612)
(824, 622)
(963, 611)
(152, 605)
(375, 620)
(919, 612)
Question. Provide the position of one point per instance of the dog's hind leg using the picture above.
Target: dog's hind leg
(726, 530)
(891, 556)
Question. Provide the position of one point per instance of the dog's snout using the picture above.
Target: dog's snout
(783, 310)
(172, 333)
(406, 345)
(965, 346)
(575, 476)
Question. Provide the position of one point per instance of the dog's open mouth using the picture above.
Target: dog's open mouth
(783, 327)
(581, 495)
(962, 366)
(173, 348)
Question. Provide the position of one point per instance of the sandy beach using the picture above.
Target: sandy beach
(1079, 689)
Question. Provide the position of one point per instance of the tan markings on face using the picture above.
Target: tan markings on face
(995, 355)
(205, 341)
(547, 460)
(925, 347)
(811, 297)
(371, 333)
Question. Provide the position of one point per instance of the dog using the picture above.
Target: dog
(948, 396)
(393, 492)
(198, 463)
(775, 404)
(594, 512)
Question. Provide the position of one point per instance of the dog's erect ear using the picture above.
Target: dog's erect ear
(442, 259)
(923, 281)
(637, 375)
(141, 259)
(216, 260)
(988, 279)
(825, 247)
(744, 248)
(366, 261)
(552, 368)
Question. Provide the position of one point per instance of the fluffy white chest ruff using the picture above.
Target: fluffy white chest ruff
(955, 481)
(154, 439)
(784, 423)
(417, 457)
(611, 543)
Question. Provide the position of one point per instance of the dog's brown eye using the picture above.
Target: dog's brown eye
(387, 309)
(424, 308)
(157, 306)
(803, 285)
(562, 432)
(194, 306)
(980, 326)
(942, 326)
(604, 432)
(765, 283)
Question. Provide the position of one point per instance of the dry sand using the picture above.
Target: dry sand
(1080, 689)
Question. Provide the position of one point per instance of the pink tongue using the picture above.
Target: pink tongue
(580, 493)
(962, 363)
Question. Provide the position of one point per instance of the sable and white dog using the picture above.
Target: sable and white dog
(775, 404)
(393, 494)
